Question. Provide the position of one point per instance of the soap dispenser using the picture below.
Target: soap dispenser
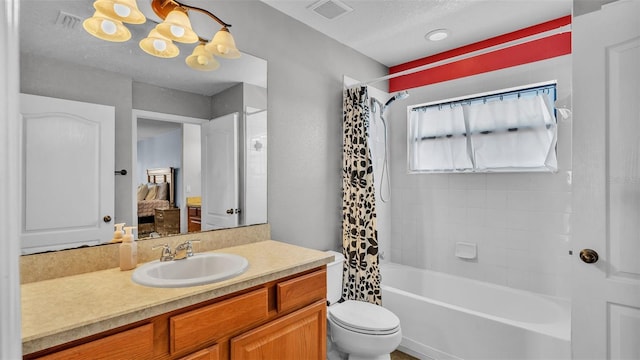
(128, 250)
(117, 235)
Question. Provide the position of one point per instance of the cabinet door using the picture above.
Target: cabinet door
(299, 335)
(210, 353)
(131, 344)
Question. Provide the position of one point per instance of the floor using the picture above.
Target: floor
(398, 355)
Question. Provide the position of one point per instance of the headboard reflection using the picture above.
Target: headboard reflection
(164, 175)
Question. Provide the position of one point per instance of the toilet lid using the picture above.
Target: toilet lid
(364, 317)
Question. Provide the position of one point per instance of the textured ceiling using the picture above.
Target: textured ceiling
(392, 31)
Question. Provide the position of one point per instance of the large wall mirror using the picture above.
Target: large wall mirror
(171, 122)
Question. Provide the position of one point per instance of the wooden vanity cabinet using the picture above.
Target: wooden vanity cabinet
(283, 319)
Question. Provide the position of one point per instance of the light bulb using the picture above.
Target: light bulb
(202, 60)
(177, 31)
(121, 10)
(222, 49)
(159, 45)
(108, 27)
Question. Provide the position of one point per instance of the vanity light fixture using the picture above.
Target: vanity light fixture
(158, 45)
(437, 35)
(105, 28)
(122, 10)
(201, 59)
(107, 24)
(177, 27)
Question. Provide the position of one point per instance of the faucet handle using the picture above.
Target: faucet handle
(189, 244)
(166, 252)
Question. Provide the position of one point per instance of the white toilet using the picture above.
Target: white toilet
(360, 329)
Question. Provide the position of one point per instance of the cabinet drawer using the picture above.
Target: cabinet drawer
(131, 344)
(211, 322)
(302, 291)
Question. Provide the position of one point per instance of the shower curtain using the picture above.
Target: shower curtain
(361, 275)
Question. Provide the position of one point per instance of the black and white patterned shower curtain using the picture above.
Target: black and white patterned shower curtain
(361, 275)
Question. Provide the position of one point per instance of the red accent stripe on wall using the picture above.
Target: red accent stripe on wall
(541, 49)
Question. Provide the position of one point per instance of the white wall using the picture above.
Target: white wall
(191, 159)
(160, 151)
(520, 222)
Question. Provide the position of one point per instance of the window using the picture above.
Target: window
(508, 130)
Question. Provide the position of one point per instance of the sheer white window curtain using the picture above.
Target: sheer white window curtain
(515, 131)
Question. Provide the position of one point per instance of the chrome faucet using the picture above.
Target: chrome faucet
(166, 254)
(182, 251)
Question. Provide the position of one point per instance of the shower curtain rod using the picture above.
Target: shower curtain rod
(542, 35)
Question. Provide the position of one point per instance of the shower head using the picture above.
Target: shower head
(398, 96)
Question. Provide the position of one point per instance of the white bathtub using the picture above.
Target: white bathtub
(449, 317)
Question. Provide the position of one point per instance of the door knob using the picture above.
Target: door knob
(589, 256)
(106, 218)
(229, 211)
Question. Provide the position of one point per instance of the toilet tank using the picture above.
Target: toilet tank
(334, 277)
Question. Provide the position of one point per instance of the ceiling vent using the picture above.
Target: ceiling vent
(330, 9)
(67, 21)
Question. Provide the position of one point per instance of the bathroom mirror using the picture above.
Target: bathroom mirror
(59, 59)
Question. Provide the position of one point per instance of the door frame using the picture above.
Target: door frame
(153, 115)
(10, 207)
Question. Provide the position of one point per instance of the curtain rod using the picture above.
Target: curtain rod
(544, 87)
(542, 35)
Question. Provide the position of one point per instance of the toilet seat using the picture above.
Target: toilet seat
(364, 318)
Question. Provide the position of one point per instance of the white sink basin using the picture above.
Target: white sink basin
(199, 269)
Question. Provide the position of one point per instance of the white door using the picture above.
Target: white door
(220, 196)
(67, 161)
(254, 206)
(606, 165)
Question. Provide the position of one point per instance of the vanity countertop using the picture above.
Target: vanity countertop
(61, 310)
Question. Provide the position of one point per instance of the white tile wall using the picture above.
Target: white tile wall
(522, 236)
(521, 222)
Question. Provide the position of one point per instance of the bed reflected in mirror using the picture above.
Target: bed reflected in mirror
(156, 204)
